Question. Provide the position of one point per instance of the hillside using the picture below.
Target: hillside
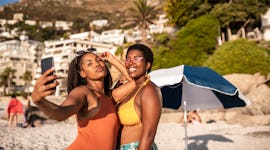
(70, 10)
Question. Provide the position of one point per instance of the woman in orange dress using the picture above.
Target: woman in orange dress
(89, 99)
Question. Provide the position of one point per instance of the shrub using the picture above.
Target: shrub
(240, 56)
(195, 42)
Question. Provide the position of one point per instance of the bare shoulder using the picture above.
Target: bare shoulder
(80, 92)
(151, 87)
(151, 91)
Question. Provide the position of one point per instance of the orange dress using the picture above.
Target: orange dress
(99, 132)
(14, 106)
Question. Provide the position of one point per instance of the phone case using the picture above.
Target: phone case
(46, 64)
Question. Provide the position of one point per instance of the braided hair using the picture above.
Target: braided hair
(147, 53)
(74, 78)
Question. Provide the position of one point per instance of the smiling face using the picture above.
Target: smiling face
(136, 64)
(92, 67)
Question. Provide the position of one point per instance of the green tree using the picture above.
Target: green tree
(160, 48)
(234, 15)
(38, 33)
(120, 52)
(6, 78)
(80, 25)
(141, 16)
(192, 45)
(27, 77)
(182, 11)
(240, 56)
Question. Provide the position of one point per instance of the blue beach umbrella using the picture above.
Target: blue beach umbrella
(197, 88)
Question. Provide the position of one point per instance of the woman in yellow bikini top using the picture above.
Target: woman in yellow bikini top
(139, 112)
(126, 111)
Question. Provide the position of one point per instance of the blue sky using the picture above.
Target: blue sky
(3, 2)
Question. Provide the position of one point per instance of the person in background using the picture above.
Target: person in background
(27, 110)
(140, 111)
(89, 99)
(14, 108)
(193, 117)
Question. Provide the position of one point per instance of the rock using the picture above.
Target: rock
(254, 89)
(246, 82)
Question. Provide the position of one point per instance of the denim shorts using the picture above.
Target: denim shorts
(134, 146)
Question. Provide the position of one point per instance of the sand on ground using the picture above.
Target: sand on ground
(170, 135)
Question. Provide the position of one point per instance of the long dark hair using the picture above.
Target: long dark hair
(74, 79)
(147, 53)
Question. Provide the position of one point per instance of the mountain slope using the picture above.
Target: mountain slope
(68, 10)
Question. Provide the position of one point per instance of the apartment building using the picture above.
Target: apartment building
(64, 25)
(114, 36)
(266, 25)
(63, 51)
(21, 56)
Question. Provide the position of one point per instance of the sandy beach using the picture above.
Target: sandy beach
(170, 136)
(219, 135)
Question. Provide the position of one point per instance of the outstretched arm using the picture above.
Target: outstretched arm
(54, 111)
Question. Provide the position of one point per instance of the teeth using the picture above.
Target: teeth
(132, 69)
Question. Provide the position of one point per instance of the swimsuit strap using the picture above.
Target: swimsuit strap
(144, 83)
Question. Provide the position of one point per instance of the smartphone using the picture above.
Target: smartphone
(46, 64)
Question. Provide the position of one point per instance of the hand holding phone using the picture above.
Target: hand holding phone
(46, 64)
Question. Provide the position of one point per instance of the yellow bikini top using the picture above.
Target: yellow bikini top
(126, 111)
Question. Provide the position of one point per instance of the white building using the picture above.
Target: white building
(6, 34)
(30, 22)
(20, 56)
(135, 35)
(3, 22)
(18, 16)
(160, 25)
(63, 51)
(64, 25)
(266, 25)
(99, 23)
(115, 36)
(90, 35)
(46, 24)
(12, 22)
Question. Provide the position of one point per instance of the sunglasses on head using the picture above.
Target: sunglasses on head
(82, 52)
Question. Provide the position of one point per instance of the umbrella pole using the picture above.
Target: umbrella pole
(185, 124)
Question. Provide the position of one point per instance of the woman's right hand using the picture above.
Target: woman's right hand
(41, 89)
(107, 56)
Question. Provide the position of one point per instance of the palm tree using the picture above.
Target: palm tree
(27, 77)
(6, 78)
(141, 16)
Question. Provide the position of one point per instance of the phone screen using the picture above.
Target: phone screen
(46, 64)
